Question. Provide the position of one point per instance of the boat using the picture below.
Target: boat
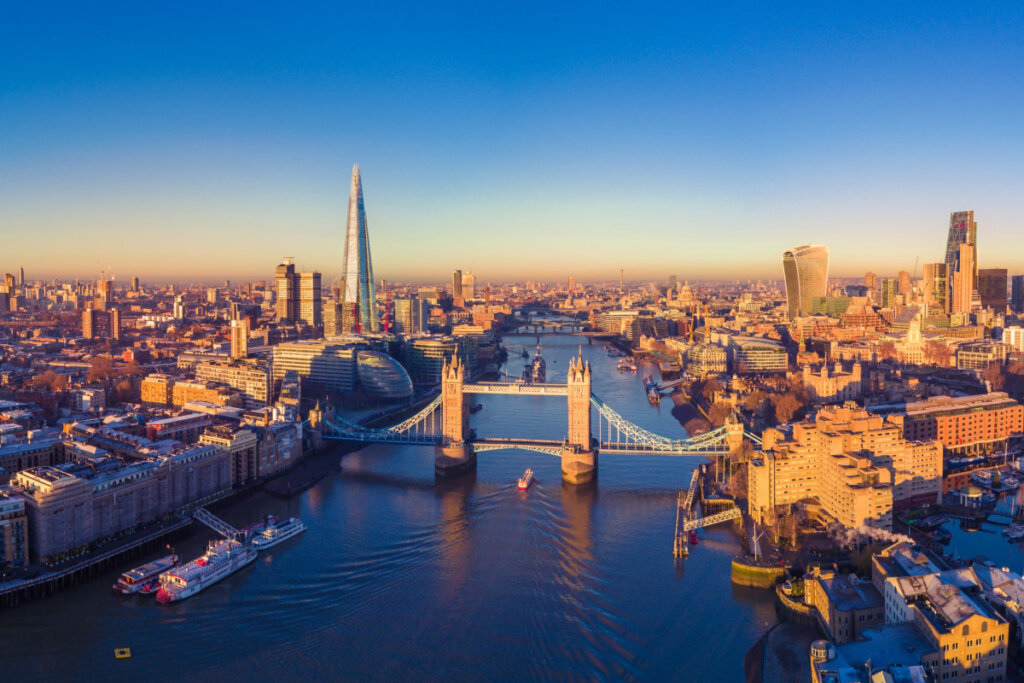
(136, 580)
(526, 480)
(1014, 530)
(222, 559)
(536, 371)
(525, 354)
(693, 537)
(278, 533)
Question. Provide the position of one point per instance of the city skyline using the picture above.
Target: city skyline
(726, 134)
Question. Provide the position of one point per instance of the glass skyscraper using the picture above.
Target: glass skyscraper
(357, 276)
(806, 271)
(962, 230)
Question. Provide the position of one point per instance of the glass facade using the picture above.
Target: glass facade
(806, 271)
(357, 276)
(382, 376)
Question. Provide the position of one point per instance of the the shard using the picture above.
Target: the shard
(357, 277)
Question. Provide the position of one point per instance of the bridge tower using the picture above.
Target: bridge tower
(453, 454)
(579, 456)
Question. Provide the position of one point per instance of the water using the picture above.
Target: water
(404, 577)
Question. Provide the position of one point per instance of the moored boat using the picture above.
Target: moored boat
(136, 580)
(526, 480)
(278, 533)
(222, 558)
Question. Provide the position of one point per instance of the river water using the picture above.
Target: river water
(403, 577)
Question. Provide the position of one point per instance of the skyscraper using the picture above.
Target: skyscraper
(889, 289)
(357, 276)
(935, 289)
(115, 324)
(992, 288)
(456, 284)
(468, 286)
(806, 271)
(298, 296)
(1017, 293)
(962, 279)
(904, 282)
(240, 338)
(287, 291)
(871, 281)
(310, 300)
(21, 276)
(962, 230)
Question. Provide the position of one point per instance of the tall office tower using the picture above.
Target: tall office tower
(456, 283)
(115, 324)
(962, 278)
(357, 276)
(90, 323)
(179, 307)
(871, 281)
(287, 291)
(992, 288)
(673, 282)
(962, 230)
(904, 282)
(135, 284)
(890, 286)
(239, 338)
(935, 285)
(310, 305)
(571, 284)
(1017, 293)
(8, 281)
(21, 275)
(468, 286)
(806, 272)
(105, 288)
(622, 280)
(332, 317)
(411, 315)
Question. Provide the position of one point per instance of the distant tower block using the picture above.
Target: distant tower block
(453, 454)
(579, 457)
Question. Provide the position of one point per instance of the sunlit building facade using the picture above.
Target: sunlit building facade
(806, 271)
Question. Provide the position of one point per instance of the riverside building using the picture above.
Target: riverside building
(855, 465)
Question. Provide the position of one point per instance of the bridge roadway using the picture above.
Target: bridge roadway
(540, 389)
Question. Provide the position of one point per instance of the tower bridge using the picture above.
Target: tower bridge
(444, 424)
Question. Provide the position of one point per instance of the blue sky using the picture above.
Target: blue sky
(517, 140)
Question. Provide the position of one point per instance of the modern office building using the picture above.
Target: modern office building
(240, 338)
(962, 230)
(425, 357)
(468, 286)
(870, 281)
(298, 296)
(357, 276)
(90, 323)
(890, 287)
(323, 365)
(963, 279)
(411, 316)
(456, 283)
(806, 272)
(249, 376)
(992, 288)
(14, 546)
(935, 287)
(755, 355)
(382, 377)
(1017, 293)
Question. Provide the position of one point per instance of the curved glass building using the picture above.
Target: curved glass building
(382, 376)
(806, 271)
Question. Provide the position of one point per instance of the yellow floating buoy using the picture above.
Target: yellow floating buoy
(122, 653)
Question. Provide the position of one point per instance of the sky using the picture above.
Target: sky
(206, 141)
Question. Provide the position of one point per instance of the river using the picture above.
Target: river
(401, 576)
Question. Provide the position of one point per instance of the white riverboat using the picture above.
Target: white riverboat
(278, 533)
(222, 559)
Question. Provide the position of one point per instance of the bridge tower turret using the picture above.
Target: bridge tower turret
(579, 457)
(452, 453)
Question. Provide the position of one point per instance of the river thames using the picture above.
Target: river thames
(404, 577)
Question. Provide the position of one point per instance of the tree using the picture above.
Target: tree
(50, 381)
(753, 400)
(719, 413)
(737, 485)
(101, 370)
(786, 407)
(710, 388)
(887, 351)
(936, 353)
(993, 374)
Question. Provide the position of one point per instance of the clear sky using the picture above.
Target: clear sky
(518, 140)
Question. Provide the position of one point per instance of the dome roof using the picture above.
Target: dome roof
(382, 376)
